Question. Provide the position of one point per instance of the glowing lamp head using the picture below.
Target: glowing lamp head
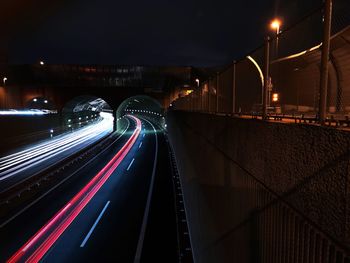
(275, 97)
(275, 25)
(42, 63)
(35, 100)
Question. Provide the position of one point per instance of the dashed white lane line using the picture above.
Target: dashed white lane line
(132, 161)
(94, 225)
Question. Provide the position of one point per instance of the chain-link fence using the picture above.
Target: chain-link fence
(293, 84)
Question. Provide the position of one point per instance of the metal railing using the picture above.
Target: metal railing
(290, 74)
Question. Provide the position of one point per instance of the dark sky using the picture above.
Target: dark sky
(154, 32)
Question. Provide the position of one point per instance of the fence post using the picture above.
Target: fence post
(201, 97)
(209, 95)
(324, 60)
(217, 92)
(266, 78)
(234, 87)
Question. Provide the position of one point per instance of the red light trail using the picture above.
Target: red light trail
(42, 241)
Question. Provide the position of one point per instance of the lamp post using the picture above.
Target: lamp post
(327, 26)
(5, 97)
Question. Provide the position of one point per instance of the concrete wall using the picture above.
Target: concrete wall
(234, 168)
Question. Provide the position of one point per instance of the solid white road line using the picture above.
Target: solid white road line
(149, 198)
(132, 161)
(95, 224)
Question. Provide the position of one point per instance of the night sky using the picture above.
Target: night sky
(155, 32)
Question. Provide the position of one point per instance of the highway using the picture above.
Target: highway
(20, 165)
(101, 214)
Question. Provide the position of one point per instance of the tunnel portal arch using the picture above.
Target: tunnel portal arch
(142, 105)
(84, 109)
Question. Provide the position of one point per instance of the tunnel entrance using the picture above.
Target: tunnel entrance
(143, 106)
(84, 110)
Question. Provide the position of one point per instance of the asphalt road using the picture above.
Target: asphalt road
(120, 222)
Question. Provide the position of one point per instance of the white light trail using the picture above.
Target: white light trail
(18, 162)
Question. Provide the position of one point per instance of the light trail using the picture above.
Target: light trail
(43, 240)
(21, 161)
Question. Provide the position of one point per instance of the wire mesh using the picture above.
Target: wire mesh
(294, 72)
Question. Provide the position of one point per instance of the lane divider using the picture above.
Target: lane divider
(43, 240)
(95, 224)
(132, 161)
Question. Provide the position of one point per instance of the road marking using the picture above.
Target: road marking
(132, 161)
(143, 135)
(148, 204)
(95, 224)
(140, 145)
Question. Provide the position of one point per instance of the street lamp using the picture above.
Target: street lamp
(197, 81)
(4, 80)
(42, 63)
(276, 25)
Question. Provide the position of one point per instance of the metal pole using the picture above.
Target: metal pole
(234, 87)
(217, 92)
(266, 78)
(201, 97)
(324, 60)
(208, 95)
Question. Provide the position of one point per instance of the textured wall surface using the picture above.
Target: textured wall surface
(230, 167)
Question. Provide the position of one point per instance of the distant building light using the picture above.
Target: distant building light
(69, 120)
(51, 131)
(45, 101)
(35, 100)
(189, 91)
(275, 97)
